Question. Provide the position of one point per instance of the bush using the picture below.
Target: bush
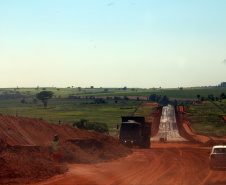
(223, 96)
(96, 126)
(99, 101)
(126, 98)
(99, 127)
(23, 101)
(80, 124)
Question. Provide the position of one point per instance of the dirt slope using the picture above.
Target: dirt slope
(32, 131)
(188, 133)
(25, 148)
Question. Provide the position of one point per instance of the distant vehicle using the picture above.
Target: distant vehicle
(218, 156)
(135, 131)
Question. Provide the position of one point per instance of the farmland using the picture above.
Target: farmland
(73, 104)
(172, 93)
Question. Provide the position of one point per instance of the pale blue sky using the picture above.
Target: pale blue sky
(115, 43)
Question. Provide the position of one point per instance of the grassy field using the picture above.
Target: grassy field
(206, 118)
(69, 111)
(186, 93)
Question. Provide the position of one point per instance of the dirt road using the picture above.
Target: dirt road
(168, 163)
(168, 126)
(163, 164)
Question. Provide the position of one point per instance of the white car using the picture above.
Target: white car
(218, 156)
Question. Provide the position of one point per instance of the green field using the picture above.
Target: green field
(187, 93)
(69, 111)
(204, 116)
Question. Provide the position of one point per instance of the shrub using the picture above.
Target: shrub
(23, 101)
(223, 96)
(96, 126)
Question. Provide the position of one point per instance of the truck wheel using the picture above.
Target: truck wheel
(145, 142)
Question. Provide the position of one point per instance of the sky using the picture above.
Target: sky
(115, 43)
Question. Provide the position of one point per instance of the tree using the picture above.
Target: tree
(211, 97)
(223, 96)
(198, 96)
(164, 100)
(23, 101)
(44, 96)
(155, 98)
(126, 98)
(152, 97)
(175, 103)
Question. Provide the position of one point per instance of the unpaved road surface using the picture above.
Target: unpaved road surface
(168, 126)
(176, 162)
(163, 164)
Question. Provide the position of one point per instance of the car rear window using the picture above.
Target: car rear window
(219, 150)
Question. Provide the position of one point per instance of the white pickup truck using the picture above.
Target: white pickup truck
(218, 156)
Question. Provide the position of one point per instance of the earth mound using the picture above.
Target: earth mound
(26, 153)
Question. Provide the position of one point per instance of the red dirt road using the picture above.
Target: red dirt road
(163, 164)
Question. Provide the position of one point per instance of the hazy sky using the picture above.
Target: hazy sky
(116, 43)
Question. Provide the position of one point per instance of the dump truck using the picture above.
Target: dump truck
(134, 131)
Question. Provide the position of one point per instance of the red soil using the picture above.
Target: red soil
(25, 148)
(223, 118)
(163, 164)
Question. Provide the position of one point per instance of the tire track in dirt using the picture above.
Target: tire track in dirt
(152, 169)
(206, 178)
(216, 177)
(163, 164)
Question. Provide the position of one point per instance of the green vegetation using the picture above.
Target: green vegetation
(206, 118)
(185, 93)
(44, 96)
(159, 99)
(70, 111)
(144, 111)
(95, 126)
(107, 105)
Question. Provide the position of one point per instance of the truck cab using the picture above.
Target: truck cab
(135, 132)
(130, 133)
